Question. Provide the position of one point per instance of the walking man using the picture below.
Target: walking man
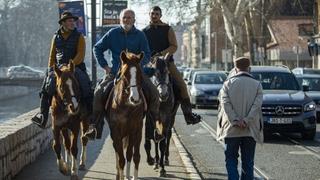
(240, 122)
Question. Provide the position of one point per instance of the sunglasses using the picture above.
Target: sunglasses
(155, 13)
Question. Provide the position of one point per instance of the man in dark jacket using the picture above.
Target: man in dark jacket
(162, 40)
(67, 45)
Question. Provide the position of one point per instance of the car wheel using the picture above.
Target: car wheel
(309, 135)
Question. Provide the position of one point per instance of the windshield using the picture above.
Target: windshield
(279, 81)
(313, 83)
(209, 79)
(311, 71)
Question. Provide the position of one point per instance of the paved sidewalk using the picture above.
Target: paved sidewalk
(101, 164)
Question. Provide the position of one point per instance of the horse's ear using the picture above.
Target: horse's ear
(57, 71)
(140, 56)
(123, 56)
(71, 66)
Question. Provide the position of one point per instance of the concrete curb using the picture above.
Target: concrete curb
(185, 157)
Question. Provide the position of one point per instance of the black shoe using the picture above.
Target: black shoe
(193, 119)
(40, 120)
(91, 133)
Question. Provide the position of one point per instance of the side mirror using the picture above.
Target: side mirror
(305, 88)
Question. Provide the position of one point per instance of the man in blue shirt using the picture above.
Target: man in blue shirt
(125, 37)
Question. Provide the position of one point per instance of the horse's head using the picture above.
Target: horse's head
(67, 87)
(131, 77)
(161, 77)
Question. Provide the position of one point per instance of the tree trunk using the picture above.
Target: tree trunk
(250, 37)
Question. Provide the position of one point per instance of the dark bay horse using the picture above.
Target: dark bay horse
(68, 115)
(168, 109)
(125, 110)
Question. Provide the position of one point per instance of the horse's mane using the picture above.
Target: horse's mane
(132, 56)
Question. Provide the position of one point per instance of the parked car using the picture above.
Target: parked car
(205, 87)
(313, 82)
(286, 107)
(305, 71)
(191, 73)
(23, 71)
(186, 73)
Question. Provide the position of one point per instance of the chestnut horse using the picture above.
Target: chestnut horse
(125, 110)
(68, 114)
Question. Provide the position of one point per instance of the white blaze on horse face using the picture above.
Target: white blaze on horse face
(163, 88)
(133, 82)
(74, 100)
(167, 78)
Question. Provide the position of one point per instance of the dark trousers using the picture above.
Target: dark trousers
(103, 89)
(247, 147)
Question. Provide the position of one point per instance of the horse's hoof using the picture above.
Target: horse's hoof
(163, 173)
(82, 167)
(64, 169)
(166, 162)
(74, 177)
(156, 166)
(150, 161)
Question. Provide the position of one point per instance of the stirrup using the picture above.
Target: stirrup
(38, 121)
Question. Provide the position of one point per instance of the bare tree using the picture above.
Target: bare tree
(27, 27)
(234, 13)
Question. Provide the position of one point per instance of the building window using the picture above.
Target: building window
(305, 29)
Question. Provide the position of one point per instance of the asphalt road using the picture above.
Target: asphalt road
(280, 157)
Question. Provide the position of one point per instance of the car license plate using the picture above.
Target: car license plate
(212, 97)
(280, 120)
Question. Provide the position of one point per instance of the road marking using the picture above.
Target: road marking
(257, 171)
(190, 168)
(303, 147)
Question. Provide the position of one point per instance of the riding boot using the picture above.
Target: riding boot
(97, 119)
(190, 118)
(41, 118)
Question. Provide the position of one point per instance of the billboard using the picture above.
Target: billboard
(111, 11)
(77, 9)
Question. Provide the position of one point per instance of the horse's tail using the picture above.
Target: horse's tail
(125, 142)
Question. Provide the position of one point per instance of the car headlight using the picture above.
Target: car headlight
(311, 106)
(196, 92)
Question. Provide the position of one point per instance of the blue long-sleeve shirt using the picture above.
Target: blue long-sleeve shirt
(116, 40)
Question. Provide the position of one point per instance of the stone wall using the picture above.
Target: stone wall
(21, 142)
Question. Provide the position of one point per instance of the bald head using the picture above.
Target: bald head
(127, 19)
(127, 11)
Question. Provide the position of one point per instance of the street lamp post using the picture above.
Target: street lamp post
(297, 56)
(93, 41)
(297, 50)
